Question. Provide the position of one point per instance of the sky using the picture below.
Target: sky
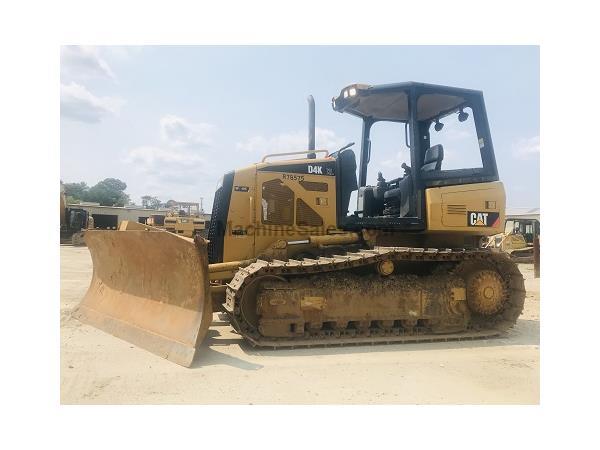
(170, 121)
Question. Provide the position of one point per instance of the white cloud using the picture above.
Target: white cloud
(83, 62)
(151, 156)
(181, 166)
(178, 131)
(79, 104)
(527, 148)
(169, 171)
(120, 52)
(292, 141)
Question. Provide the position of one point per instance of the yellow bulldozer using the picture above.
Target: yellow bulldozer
(290, 265)
(188, 226)
(156, 220)
(517, 239)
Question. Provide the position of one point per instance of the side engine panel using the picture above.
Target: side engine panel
(270, 204)
(474, 209)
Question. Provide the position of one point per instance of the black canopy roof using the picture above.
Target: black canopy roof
(390, 101)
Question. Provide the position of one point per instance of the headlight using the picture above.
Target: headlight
(352, 92)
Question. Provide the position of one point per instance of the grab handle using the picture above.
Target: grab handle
(295, 153)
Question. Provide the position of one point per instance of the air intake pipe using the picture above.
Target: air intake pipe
(311, 127)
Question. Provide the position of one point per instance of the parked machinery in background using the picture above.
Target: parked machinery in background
(188, 226)
(517, 239)
(156, 220)
(73, 222)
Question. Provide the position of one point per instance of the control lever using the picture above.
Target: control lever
(406, 169)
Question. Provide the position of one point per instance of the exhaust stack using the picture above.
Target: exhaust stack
(311, 127)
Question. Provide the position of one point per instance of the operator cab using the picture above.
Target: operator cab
(435, 136)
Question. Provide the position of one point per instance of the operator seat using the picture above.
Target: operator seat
(433, 158)
(398, 200)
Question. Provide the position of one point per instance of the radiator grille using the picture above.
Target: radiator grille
(306, 216)
(314, 186)
(277, 203)
(218, 222)
(456, 209)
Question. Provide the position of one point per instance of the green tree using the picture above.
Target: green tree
(150, 202)
(76, 191)
(108, 192)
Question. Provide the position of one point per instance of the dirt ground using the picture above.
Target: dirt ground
(97, 368)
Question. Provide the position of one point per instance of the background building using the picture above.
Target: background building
(110, 216)
(523, 213)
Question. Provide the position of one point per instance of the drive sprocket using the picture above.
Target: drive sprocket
(486, 292)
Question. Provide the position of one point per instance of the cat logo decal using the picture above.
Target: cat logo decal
(483, 219)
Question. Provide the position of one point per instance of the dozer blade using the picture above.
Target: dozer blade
(150, 288)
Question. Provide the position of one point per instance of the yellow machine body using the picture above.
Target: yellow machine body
(305, 205)
(467, 209)
(452, 212)
(184, 226)
(170, 315)
(281, 227)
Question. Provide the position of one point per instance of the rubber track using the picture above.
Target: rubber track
(496, 326)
